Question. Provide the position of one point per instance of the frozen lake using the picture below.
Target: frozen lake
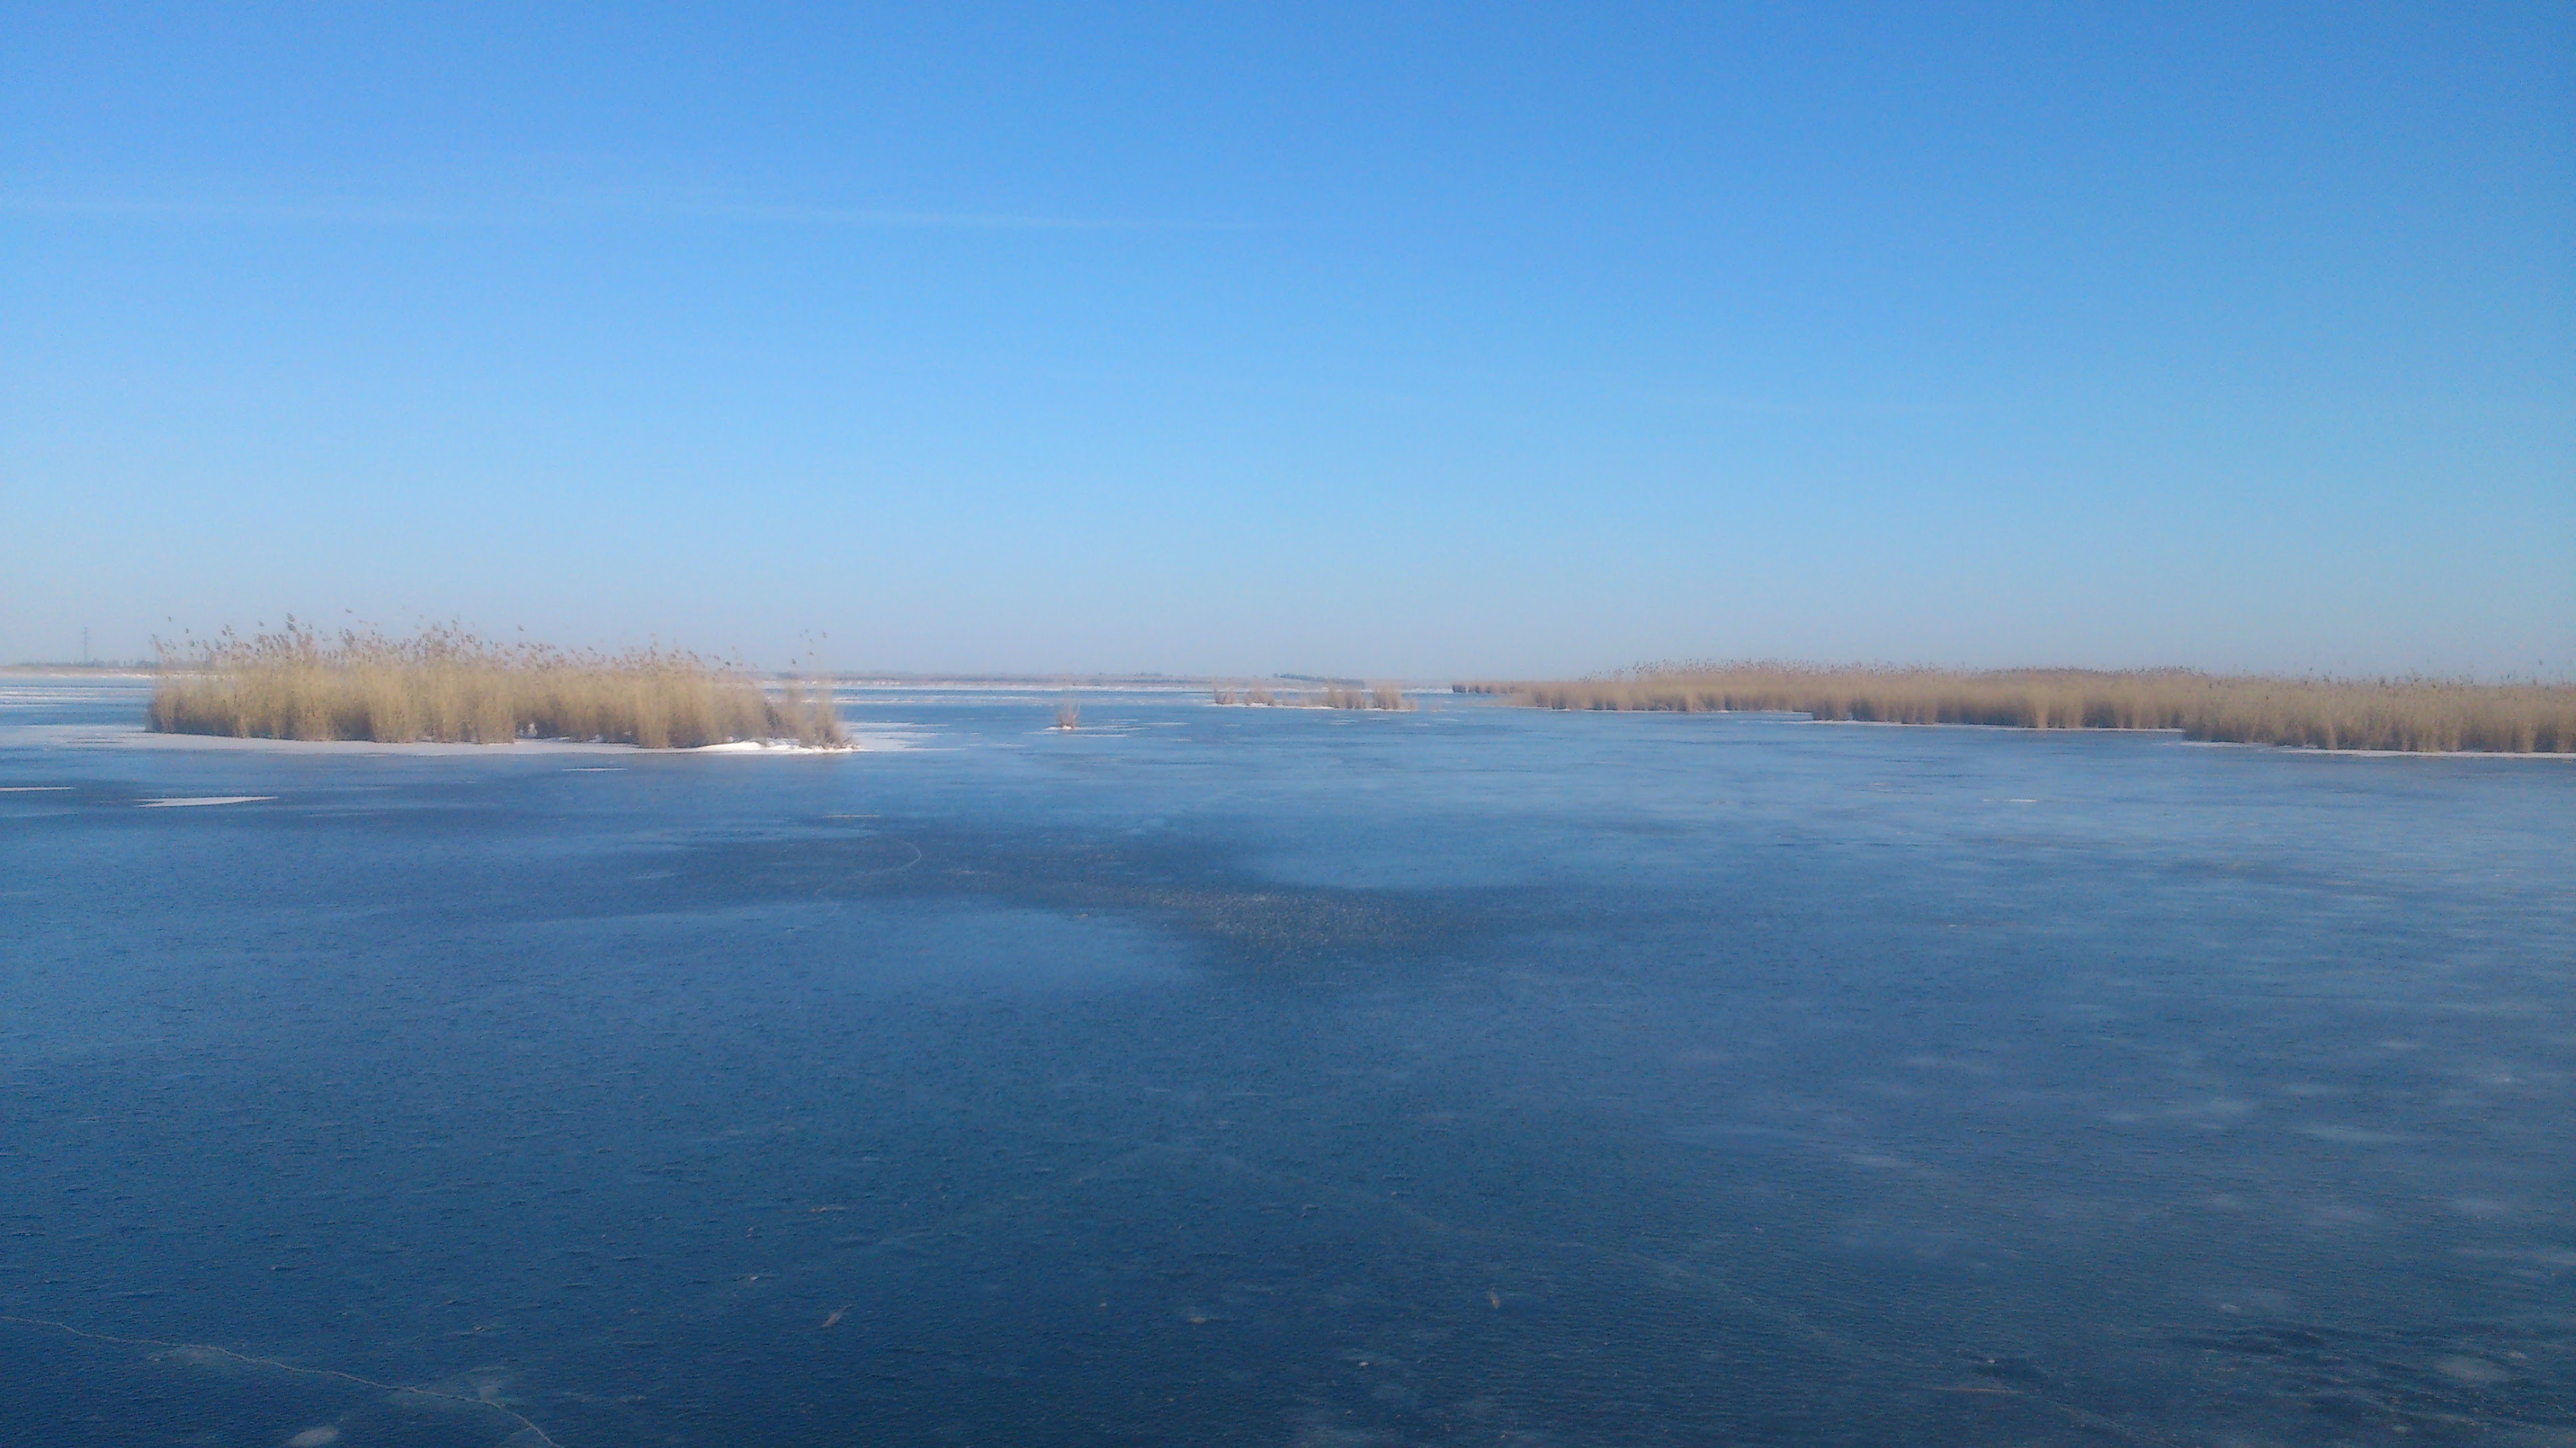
(1219, 1076)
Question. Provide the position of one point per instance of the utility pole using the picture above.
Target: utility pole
(84, 646)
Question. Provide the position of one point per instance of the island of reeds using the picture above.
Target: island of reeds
(2410, 715)
(1328, 696)
(445, 685)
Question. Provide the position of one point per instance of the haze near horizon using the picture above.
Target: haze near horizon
(1443, 343)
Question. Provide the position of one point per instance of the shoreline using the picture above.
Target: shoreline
(136, 736)
(1793, 717)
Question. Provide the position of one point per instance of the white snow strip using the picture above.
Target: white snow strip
(31, 788)
(2301, 751)
(205, 799)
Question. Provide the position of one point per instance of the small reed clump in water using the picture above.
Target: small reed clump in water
(2410, 715)
(449, 686)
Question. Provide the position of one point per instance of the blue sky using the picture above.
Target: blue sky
(1393, 340)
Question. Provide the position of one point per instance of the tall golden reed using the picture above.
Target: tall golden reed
(449, 686)
(2413, 715)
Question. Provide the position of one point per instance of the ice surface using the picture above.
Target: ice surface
(1265, 1076)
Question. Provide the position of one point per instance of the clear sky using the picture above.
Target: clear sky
(1407, 339)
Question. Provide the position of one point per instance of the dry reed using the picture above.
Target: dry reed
(449, 686)
(2414, 715)
(1331, 696)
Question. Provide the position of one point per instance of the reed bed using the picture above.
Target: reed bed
(1389, 697)
(2412, 715)
(448, 686)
